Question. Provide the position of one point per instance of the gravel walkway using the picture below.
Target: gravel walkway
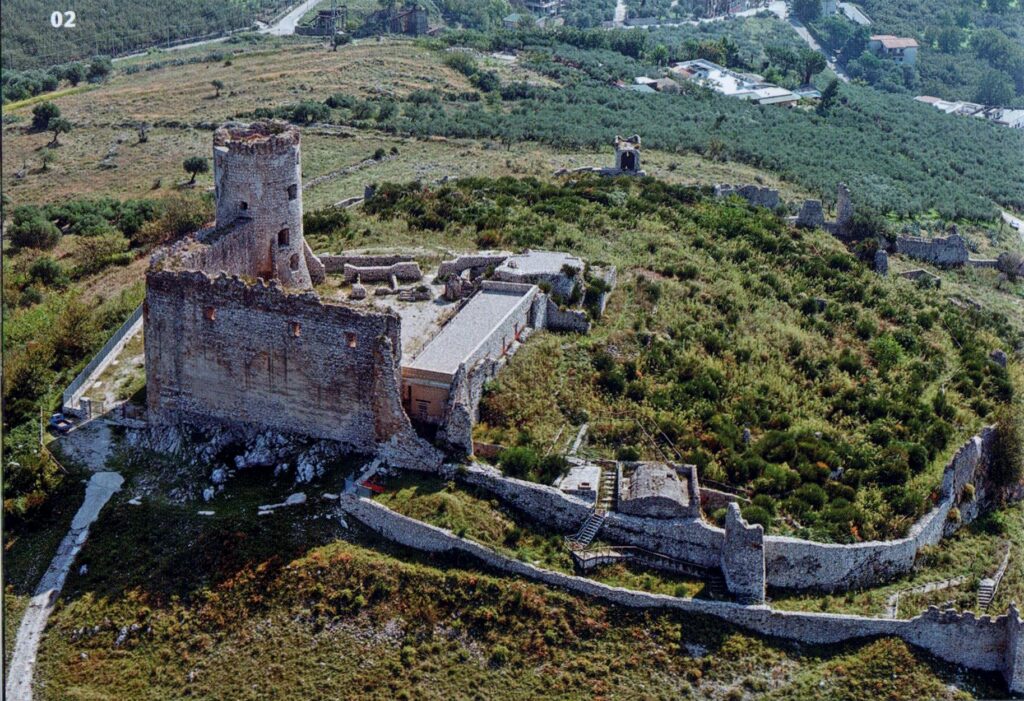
(19, 676)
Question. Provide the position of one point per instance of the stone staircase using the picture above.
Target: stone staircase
(986, 592)
(588, 531)
(608, 490)
(987, 587)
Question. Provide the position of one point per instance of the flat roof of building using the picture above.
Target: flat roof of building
(533, 263)
(461, 336)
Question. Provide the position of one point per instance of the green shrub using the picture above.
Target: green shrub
(47, 271)
(34, 233)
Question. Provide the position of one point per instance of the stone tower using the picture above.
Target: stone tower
(258, 175)
(627, 155)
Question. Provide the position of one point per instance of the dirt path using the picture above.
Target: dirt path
(101, 487)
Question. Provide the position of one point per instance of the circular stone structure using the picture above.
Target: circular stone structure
(257, 172)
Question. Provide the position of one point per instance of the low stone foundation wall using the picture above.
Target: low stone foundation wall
(944, 251)
(336, 263)
(407, 271)
(995, 644)
(478, 261)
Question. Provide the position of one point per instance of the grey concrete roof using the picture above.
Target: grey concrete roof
(466, 331)
(534, 263)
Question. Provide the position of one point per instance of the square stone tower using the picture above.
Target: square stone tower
(257, 171)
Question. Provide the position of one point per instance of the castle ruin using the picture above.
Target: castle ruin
(235, 334)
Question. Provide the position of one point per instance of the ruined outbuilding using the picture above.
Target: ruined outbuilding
(658, 490)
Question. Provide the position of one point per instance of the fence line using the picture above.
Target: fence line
(69, 399)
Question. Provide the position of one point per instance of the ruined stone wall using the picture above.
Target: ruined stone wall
(566, 320)
(546, 505)
(994, 643)
(336, 263)
(743, 558)
(229, 351)
(802, 564)
(462, 263)
(811, 215)
(944, 251)
(790, 563)
(753, 194)
(407, 271)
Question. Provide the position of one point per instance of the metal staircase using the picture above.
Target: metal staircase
(588, 531)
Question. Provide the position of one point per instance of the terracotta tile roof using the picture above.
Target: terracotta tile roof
(893, 42)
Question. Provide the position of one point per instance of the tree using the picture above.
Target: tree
(811, 62)
(58, 126)
(1010, 263)
(47, 158)
(781, 56)
(806, 10)
(195, 165)
(995, 88)
(340, 40)
(76, 73)
(143, 128)
(828, 97)
(659, 54)
(47, 271)
(99, 68)
(42, 114)
(1008, 447)
(218, 85)
(949, 39)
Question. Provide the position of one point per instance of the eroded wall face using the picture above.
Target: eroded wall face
(223, 349)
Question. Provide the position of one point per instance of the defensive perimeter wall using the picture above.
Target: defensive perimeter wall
(985, 643)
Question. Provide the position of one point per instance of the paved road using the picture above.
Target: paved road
(286, 25)
(801, 30)
(19, 675)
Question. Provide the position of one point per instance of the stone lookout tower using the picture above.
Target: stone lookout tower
(258, 175)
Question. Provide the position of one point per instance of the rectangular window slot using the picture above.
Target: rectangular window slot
(293, 192)
(350, 339)
(210, 313)
(296, 329)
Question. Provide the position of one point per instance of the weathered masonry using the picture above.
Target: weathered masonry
(234, 332)
(484, 330)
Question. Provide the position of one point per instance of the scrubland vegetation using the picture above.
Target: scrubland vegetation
(856, 389)
(174, 606)
(62, 298)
